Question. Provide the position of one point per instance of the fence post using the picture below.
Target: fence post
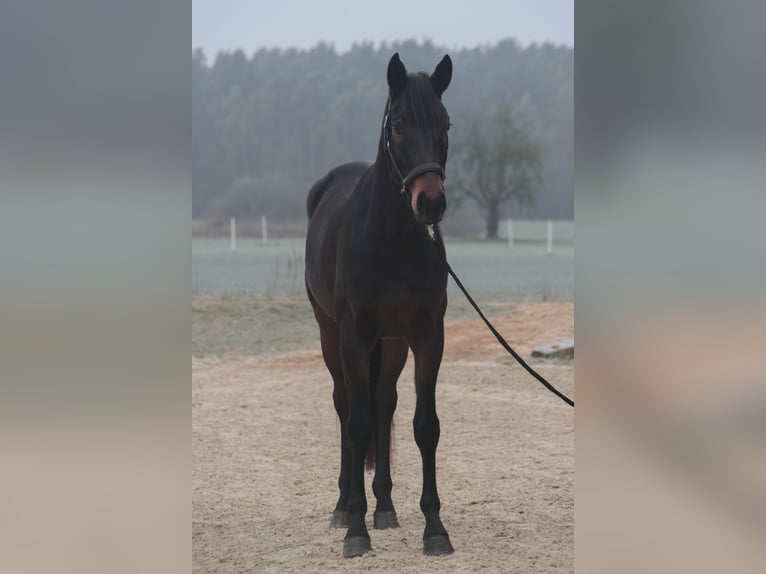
(264, 229)
(233, 229)
(510, 233)
(550, 237)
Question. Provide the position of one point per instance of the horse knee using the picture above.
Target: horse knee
(427, 429)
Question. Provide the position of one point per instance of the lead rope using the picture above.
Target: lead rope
(434, 233)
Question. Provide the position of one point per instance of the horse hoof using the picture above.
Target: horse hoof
(356, 546)
(438, 545)
(339, 519)
(384, 520)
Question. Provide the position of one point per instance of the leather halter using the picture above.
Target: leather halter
(418, 170)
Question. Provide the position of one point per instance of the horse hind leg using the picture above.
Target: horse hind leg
(391, 360)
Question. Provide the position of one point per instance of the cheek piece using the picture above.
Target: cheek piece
(417, 171)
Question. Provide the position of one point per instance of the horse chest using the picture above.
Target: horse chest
(400, 308)
(399, 291)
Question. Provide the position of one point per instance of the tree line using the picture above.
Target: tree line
(265, 127)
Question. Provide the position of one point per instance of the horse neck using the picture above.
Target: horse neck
(388, 214)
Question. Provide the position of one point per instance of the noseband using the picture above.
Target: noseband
(417, 171)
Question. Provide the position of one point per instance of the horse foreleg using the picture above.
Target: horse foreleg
(340, 399)
(355, 353)
(393, 358)
(428, 355)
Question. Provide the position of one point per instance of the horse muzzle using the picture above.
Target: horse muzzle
(430, 210)
(428, 200)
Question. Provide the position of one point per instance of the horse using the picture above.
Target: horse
(376, 277)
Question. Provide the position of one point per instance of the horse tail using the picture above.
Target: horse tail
(375, 363)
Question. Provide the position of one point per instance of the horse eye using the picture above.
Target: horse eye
(398, 128)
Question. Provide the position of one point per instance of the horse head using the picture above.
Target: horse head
(415, 138)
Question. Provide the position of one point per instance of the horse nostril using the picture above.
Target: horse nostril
(421, 202)
(431, 205)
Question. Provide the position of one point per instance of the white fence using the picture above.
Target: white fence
(233, 231)
(515, 231)
(526, 231)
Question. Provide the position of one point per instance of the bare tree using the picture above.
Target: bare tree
(497, 159)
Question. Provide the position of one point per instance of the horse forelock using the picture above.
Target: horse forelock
(420, 105)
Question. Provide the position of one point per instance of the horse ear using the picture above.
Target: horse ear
(442, 75)
(397, 76)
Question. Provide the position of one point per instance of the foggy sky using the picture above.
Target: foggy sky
(248, 25)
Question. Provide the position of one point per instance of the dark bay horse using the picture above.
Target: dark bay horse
(377, 279)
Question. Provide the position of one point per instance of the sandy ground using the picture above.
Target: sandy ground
(266, 453)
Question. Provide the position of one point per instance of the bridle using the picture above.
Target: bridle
(418, 170)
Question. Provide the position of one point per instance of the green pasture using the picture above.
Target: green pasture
(252, 301)
(488, 269)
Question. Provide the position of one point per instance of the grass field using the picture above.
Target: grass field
(488, 269)
(252, 302)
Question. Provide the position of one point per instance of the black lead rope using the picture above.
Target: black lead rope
(499, 337)
(433, 232)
